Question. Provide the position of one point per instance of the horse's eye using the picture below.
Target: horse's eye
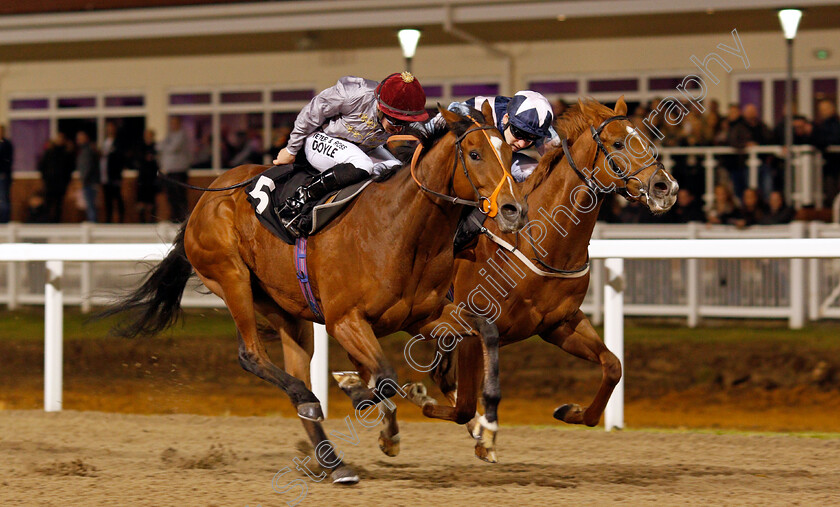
(475, 155)
(618, 145)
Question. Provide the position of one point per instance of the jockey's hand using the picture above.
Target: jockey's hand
(284, 157)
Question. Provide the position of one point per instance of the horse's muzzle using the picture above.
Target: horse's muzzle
(512, 216)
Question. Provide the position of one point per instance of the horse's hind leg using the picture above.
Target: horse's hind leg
(296, 336)
(579, 338)
(231, 280)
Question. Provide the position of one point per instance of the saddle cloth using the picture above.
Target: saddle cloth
(270, 190)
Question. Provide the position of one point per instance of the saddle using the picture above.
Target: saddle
(270, 190)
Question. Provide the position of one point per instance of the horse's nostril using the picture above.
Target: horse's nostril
(661, 186)
(510, 211)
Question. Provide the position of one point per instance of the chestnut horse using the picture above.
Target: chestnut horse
(563, 198)
(384, 265)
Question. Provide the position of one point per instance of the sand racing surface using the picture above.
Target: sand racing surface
(92, 458)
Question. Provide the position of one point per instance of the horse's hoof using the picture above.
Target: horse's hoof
(474, 428)
(344, 475)
(310, 411)
(569, 413)
(485, 454)
(348, 379)
(389, 446)
(416, 393)
(485, 436)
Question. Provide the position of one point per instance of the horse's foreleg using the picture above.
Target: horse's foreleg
(579, 338)
(351, 382)
(356, 337)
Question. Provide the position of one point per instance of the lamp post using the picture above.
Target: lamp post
(790, 22)
(408, 42)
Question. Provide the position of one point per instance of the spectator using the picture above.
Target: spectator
(147, 187)
(174, 162)
(247, 151)
(88, 166)
(724, 210)
(281, 139)
(747, 132)
(712, 121)
(777, 211)
(688, 208)
(111, 164)
(203, 157)
(752, 209)
(827, 133)
(56, 167)
(6, 157)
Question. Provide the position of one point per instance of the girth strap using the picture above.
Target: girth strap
(303, 279)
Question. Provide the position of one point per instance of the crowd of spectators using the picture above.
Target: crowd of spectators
(100, 168)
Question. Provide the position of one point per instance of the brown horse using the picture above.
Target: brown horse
(563, 197)
(384, 265)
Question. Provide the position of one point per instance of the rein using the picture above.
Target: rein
(487, 205)
(206, 189)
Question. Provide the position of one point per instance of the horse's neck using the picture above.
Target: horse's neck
(562, 203)
(410, 216)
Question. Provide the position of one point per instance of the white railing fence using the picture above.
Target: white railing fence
(613, 251)
(692, 289)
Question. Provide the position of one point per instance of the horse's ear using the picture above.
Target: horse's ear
(487, 111)
(451, 117)
(621, 107)
(583, 107)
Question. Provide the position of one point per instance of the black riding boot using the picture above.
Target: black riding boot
(328, 181)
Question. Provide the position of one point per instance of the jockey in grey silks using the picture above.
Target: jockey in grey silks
(342, 132)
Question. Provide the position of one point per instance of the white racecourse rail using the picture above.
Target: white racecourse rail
(613, 250)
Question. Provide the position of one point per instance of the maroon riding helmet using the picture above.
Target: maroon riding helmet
(400, 96)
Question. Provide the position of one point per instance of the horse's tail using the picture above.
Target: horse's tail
(156, 304)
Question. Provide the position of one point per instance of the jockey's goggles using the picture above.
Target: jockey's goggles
(523, 135)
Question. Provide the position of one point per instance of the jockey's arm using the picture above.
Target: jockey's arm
(327, 104)
(549, 143)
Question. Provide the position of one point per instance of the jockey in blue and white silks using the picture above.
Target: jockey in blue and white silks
(524, 120)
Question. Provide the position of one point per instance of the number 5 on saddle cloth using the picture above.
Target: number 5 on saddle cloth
(270, 190)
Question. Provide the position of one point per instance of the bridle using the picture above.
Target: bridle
(487, 205)
(594, 185)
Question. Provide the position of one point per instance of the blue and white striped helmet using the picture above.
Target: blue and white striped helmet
(532, 112)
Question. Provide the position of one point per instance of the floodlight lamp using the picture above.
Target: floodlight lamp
(408, 41)
(790, 21)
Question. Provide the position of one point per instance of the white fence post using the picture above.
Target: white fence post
(709, 166)
(693, 282)
(53, 331)
(614, 337)
(753, 163)
(319, 366)
(797, 282)
(12, 270)
(85, 280)
(813, 277)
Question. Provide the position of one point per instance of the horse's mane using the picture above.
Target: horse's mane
(433, 131)
(570, 125)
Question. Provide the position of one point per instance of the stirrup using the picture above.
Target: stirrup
(292, 225)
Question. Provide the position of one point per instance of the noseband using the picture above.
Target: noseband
(594, 185)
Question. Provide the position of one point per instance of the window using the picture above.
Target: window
(779, 99)
(34, 120)
(250, 123)
(751, 92)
